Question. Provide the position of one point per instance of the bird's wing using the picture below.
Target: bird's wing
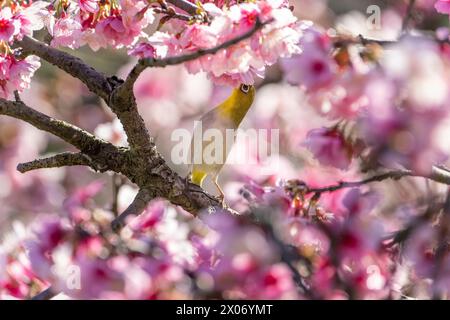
(211, 120)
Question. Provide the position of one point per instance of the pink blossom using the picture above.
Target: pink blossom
(66, 32)
(31, 18)
(112, 132)
(9, 25)
(245, 61)
(152, 215)
(143, 50)
(443, 6)
(90, 6)
(329, 147)
(16, 74)
(314, 68)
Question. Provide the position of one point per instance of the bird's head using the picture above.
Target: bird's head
(247, 92)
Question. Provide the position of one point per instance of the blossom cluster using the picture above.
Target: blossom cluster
(17, 21)
(129, 24)
(98, 24)
(339, 251)
(242, 62)
(391, 104)
(159, 255)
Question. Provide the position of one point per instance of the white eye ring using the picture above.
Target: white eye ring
(245, 88)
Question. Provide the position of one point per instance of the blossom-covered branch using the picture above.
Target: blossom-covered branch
(170, 61)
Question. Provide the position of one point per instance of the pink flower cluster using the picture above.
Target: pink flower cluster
(16, 74)
(17, 21)
(391, 105)
(443, 6)
(241, 62)
(340, 251)
(98, 23)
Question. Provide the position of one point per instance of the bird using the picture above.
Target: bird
(227, 115)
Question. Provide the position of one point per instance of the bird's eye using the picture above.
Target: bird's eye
(245, 88)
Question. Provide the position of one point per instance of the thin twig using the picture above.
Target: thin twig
(161, 63)
(437, 175)
(409, 15)
(56, 161)
(203, 52)
(185, 5)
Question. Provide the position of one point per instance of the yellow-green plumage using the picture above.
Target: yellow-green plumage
(228, 115)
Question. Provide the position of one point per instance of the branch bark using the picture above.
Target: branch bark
(75, 136)
(94, 80)
(57, 161)
(104, 155)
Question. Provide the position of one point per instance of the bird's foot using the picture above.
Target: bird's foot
(221, 199)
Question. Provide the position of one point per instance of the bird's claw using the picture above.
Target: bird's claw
(221, 199)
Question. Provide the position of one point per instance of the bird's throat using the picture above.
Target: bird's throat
(235, 108)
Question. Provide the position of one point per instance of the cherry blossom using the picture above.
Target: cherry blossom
(443, 6)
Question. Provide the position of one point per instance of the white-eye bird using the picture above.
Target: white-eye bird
(228, 115)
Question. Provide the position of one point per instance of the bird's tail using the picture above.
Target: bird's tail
(198, 177)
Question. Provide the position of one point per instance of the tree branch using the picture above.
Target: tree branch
(57, 161)
(437, 175)
(141, 163)
(77, 137)
(104, 156)
(94, 80)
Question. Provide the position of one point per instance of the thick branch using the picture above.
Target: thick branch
(75, 136)
(94, 80)
(57, 161)
(123, 104)
(437, 175)
(138, 205)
